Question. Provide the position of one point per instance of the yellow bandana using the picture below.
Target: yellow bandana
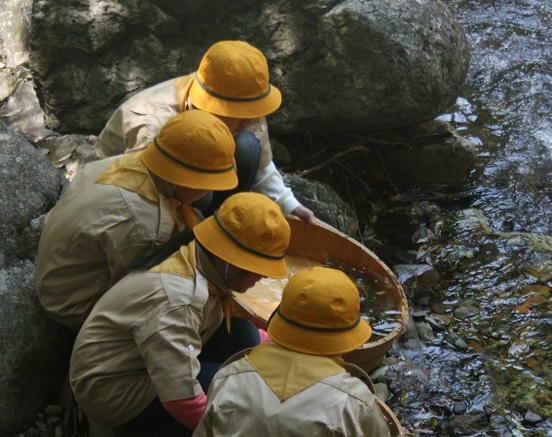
(130, 173)
(287, 372)
(178, 264)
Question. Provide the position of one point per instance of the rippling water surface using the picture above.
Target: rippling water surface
(506, 109)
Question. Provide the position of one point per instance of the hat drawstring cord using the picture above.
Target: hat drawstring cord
(226, 269)
(227, 301)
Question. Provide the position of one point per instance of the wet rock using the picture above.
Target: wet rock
(454, 339)
(327, 205)
(436, 323)
(439, 308)
(418, 314)
(409, 375)
(536, 242)
(542, 271)
(463, 425)
(421, 164)
(418, 279)
(425, 331)
(460, 407)
(468, 224)
(463, 312)
(531, 419)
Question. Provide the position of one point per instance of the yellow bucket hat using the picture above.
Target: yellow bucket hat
(319, 314)
(248, 231)
(194, 149)
(232, 80)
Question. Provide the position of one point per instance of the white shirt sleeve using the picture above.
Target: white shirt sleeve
(268, 181)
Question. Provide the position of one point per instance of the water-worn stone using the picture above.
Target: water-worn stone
(324, 202)
(425, 331)
(418, 279)
(466, 311)
(422, 163)
(341, 65)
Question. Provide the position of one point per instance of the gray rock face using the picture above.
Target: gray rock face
(341, 65)
(30, 187)
(33, 349)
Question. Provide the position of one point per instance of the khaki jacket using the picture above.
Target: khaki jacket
(284, 393)
(138, 120)
(95, 232)
(143, 337)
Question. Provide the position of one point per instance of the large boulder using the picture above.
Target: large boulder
(33, 349)
(30, 187)
(341, 65)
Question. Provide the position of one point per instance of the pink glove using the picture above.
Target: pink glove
(265, 338)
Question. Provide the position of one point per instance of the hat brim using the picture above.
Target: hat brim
(315, 342)
(201, 99)
(176, 174)
(212, 237)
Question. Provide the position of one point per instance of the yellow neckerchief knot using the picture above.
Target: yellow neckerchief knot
(231, 309)
(287, 372)
(189, 215)
(186, 215)
(182, 87)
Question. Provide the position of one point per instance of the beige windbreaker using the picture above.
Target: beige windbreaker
(96, 231)
(143, 337)
(138, 120)
(292, 395)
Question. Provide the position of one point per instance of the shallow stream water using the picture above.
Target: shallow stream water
(503, 380)
(507, 108)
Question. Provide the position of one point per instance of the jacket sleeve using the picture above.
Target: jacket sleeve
(268, 181)
(125, 130)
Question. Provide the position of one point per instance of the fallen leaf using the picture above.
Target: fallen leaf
(64, 158)
(11, 114)
(521, 309)
(534, 300)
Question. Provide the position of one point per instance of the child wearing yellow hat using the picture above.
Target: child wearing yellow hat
(118, 210)
(231, 82)
(298, 384)
(146, 353)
